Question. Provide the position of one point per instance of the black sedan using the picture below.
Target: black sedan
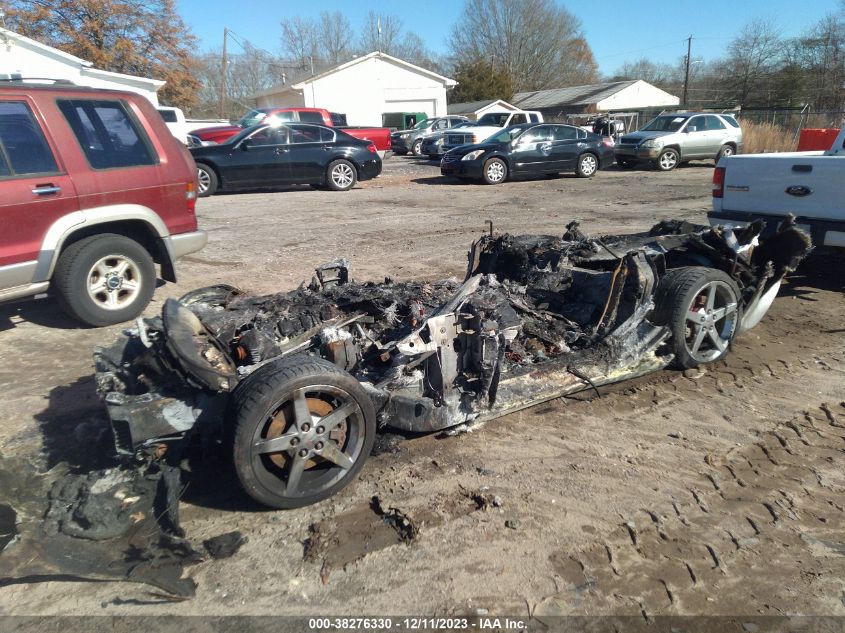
(285, 154)
(530, 149)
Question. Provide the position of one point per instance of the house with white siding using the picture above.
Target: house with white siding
(364, 89)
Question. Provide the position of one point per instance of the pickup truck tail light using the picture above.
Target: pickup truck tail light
(191, 197)
(372, 148)
(719, 182)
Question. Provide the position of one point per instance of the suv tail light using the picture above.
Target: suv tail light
(191, 197)
(719, 182)
(372, 148)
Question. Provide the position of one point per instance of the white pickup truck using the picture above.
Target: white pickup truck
(810, 185)
(488, 125)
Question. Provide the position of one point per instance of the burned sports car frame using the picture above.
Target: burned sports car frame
(296, 384)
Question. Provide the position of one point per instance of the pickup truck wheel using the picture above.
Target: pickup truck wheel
(701, 307)
(302, 430)
(668, 159)
(495, 171)
(341, 175)
(416, 148)
(206, 180)
(725, 150)
(104, 279)
(588, 165)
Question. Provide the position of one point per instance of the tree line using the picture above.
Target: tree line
(761, 69)
(495, 49)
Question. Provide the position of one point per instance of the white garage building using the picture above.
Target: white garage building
(364, 89)
(24, 57)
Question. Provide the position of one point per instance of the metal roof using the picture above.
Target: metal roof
(575, 95)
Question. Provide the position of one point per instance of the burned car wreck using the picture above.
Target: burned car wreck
(296, 385)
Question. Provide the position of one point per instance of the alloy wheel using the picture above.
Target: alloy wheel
(711, 321)
(309, 442)
(113, 282)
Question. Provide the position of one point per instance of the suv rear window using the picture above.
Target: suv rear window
(107, 133)
(23, 148)
(310, 117)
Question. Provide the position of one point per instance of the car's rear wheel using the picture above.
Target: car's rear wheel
(701, 307)
(341, 175)
(416, 148)
(206, 180)
(104, 279)
(495, 171)
(302, 430)
(725, 150)
(668, 159)
(588, 165)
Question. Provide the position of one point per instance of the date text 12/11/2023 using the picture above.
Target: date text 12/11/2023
(416, 624)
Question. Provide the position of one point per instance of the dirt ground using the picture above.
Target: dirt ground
(719, 491)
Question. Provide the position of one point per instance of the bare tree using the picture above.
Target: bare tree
(661, 75)
(539, 43)
(753, 56)
(334, 37)
(381, 33)
(299, 39)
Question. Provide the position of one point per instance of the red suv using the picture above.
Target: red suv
(94, 191)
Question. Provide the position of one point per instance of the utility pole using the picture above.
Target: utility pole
(223, 76)
(686, 71)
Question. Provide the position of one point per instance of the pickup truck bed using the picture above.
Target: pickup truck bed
(771, 186)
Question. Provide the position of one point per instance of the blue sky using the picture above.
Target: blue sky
(617, 31)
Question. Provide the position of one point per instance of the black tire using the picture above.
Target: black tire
(626, 163)
(725, 150)
(93, 276)
(681, 295)
(668, 159)
(416, 147)
(341, 175)
(207, 181)
(588, 165)
(494, 172)
(262, 409)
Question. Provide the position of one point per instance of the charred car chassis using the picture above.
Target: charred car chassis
(296, 384)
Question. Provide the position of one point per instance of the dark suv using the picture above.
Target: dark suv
(94, 191)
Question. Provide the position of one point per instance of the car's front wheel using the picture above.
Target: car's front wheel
(416, 148)
(104, 279)
(206, 180)
(302, 430)
(588, 165)
(495, 171)
(341, 175)
(701, 307)
(668, 159)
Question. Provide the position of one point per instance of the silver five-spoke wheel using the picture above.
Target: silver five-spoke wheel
(711, 321)
(114, 282)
